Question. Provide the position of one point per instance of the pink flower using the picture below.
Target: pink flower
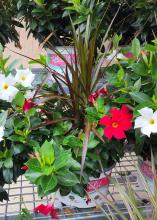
(46, 209)
(28, 104)
(24, 168)
(118, 123)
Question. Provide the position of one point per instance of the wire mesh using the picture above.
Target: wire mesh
(23, 194)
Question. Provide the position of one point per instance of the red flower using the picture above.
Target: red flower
(28, 104)
(118, 123)
(46, 209)
(24, 168)
(129, 55)
(92, 98)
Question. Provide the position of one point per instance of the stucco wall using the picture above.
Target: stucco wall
(29, 47)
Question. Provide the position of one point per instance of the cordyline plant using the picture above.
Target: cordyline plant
(81, 77)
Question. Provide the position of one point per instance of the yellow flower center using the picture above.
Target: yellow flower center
(23, 77)
(114, 124)
(5, 86)
(151, 121)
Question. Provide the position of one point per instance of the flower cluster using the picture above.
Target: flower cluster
(8, 83)
(118, 123)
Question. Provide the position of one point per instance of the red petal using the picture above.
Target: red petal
(53, 213)
(24, 168)
(43, 209)
(118, 133)
(125, 124)
(108, 132)
(105, 121)
(28, 104)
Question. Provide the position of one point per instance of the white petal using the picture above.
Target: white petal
(140, 122)
(29, 95)
(147, 130)
(10, 80)
(146, 112)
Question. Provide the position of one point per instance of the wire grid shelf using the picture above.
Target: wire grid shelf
(23, 194)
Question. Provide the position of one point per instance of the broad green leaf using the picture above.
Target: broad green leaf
(72, 141)
(19, 99)
(47, 153)
(74, 165)
(8, 175)
(8, 163)
(140, 97)
(67, 178)
(17, 138)
(48, 183)
(3, 117)
(18, 148)
(62, 160)
(32, 176)
(34, 165)
(140, 69)
(31, 112)
(120, 74)
(136, 48)
(47, 170)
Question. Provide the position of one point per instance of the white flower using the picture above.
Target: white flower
(1, 133)
(7, 89)
(147, 121)
(29, 94)
(24, 77)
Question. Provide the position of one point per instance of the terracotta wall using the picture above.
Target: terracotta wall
(30, 47)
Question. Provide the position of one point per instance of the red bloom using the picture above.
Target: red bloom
(24, 168)
(28, 104)
(92, 98)
(129, 55)
(46, 209)
(118, 123)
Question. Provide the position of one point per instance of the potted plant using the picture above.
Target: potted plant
(135, 86)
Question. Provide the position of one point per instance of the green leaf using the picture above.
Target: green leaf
(62, 160)
(136, 48)
(8, 163)
(8, 175)
(32, 176)
(18, 148)
(92, 141)
(137, 85)
(48, 183)
(47, 153)
(122, 100)
(74, 165)
(140, 69)
(67, 178)
(19, 99)
(34, 165)
(140, 97)
(47, 170)
(116, 40)
(16, 138)
(72, 141)
(154, 71)
(31, 112)
(3, 118)
(120, 74)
